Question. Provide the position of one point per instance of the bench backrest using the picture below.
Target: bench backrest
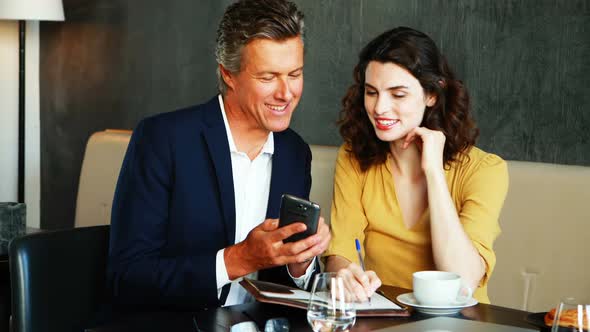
(545, 220)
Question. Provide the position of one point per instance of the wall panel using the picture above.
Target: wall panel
(115, 61)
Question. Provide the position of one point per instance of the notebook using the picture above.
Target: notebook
(450, 324)
(263, 291)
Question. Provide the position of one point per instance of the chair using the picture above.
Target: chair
(58, 278)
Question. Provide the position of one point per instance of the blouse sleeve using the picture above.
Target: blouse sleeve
(348, 220)
(484, 192)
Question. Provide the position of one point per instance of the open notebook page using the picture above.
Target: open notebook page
(378, 301)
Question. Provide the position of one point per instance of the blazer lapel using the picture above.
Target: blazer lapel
(216, 139)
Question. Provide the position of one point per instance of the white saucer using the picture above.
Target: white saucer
(409, 300)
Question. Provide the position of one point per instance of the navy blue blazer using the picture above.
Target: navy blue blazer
(174, 208)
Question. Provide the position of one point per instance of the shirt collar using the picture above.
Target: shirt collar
(268, 147)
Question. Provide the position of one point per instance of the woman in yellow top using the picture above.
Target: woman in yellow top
(409, 182)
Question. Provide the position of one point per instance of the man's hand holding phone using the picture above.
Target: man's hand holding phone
(264, 247)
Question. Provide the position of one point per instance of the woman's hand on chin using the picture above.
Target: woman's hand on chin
(431, 143)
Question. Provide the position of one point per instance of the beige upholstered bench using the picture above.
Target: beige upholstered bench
(542, 251)
(102, 161)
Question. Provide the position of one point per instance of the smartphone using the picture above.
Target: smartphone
(295, 209)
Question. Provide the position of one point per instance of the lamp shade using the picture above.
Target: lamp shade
(34, 10)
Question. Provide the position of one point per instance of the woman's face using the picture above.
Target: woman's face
(394, 100)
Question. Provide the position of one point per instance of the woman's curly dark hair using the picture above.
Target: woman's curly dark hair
(417, 53)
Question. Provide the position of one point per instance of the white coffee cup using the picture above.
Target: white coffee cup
(439, 288)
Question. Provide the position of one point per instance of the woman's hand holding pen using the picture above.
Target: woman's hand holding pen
(360, 284)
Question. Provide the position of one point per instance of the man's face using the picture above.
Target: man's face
(269, 84)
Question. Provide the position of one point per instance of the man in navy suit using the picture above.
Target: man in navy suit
(199, 191)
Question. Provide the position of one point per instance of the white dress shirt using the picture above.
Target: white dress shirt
(251, 189)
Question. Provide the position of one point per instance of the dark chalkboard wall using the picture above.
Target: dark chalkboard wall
(114, 62)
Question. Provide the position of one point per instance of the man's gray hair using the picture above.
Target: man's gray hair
(247, 20)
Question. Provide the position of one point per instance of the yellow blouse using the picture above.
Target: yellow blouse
(365, 207)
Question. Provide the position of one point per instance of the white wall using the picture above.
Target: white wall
(8, 110)
(9, 118)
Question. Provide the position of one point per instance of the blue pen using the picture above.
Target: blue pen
(361, 261)
(358, 251)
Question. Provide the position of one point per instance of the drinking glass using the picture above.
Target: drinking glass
(572, 315)
(330, 307)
